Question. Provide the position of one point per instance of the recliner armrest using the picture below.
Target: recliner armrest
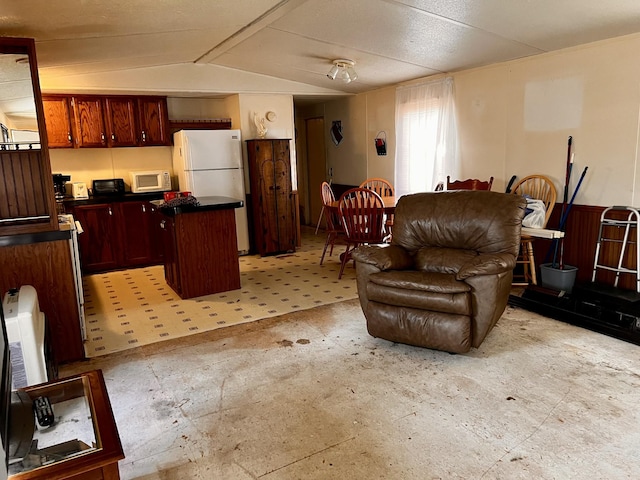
(487, 264)
(384, 257)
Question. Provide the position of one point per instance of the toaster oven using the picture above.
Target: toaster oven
(109, 186)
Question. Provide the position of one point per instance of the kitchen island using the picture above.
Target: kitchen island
(200, 246)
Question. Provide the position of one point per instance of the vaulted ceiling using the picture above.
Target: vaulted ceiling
(292, 43)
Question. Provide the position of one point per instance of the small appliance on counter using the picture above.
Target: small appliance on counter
(150, 181)
(109, 186)
(60, 185)
(79, 191)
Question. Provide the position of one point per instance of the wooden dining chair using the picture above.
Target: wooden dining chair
(362, 216)
(379, 185)
(542, 188)
(469, 184)
(334, 229)
(383, 188)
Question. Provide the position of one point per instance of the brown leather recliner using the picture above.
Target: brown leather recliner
(445, 279)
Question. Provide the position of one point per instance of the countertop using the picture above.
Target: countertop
(204, 204)
(70, 202)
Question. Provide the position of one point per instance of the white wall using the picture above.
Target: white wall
(515, 119)
(282, 127)
(88, 164)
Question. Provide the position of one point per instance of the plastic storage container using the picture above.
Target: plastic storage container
(554, 277)
(25, 330)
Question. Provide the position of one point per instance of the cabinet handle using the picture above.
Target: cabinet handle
(113, 137)
(144, 210)
(162, 223)
(144, 136)
(102, 137)
(69, 137)
(110, 211)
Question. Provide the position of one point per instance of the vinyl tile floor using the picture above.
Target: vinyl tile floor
(310, 395)
(130, 308)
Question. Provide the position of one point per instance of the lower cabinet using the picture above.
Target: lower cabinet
(118, 235)
(201, 252)
(99, 240)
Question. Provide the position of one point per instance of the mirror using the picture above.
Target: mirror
(18, 119)
(27, 204)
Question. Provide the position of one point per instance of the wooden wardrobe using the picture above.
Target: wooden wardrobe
(272, 195)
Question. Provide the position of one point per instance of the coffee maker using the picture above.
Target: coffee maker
(59, 185)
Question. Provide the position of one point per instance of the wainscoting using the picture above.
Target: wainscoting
(582, 227)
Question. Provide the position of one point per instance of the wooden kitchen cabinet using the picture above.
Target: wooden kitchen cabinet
(94, 121)
(272, 195)
(58, 118)
(89, 122)
(99, 240)
(201, 249)
(119, 235)
(120, 117)
(154, 121)
(139, 230)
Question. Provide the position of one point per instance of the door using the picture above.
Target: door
(210, 149)
(283, 197)
(154, 121)
(57, 116)
(89, 122)
(135, 223)
(316, 167)
(121, 121)
(98, 243)
(224, 183)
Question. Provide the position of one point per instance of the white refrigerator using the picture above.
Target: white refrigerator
(209, 163)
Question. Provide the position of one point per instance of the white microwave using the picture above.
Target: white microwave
(150, 181)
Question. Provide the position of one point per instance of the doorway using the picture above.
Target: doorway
(316, 166)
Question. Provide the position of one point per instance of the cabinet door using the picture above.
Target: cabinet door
(283, 196)
(171, 264)
(120, 121)
(156, 233)
(58, 119)
(135, 226)
(154, 121)
(99, 241)
(270, 174)
(89, 122)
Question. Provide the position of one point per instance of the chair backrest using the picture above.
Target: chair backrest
(362, 215)
(538, 187)
(327, 193)
(379, 185)
(480, 221)
(331, 216)
(469, 184)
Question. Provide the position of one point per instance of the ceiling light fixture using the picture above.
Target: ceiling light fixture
(343, 70)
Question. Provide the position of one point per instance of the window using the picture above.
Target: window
(426, 136)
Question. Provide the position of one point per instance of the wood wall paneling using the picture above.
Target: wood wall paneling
(26, 185)
(581, 238)
(47, 267)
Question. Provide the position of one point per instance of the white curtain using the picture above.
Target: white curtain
(426, 136)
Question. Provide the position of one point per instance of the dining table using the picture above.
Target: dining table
(388, 202)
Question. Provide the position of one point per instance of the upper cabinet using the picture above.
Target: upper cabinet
(120, 116)
(89, 121)
(106, 121)
(57, 113)
(154, 121)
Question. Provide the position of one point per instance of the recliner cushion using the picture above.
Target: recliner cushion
(437, 292)
(443, 260)
(434, 282)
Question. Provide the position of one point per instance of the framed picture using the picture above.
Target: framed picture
(336, 132)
